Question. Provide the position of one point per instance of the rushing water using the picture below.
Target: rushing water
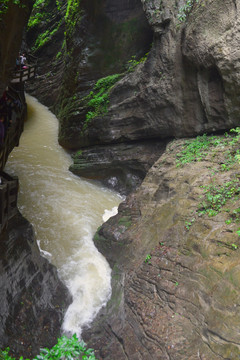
(65, 211)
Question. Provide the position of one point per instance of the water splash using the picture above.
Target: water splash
(65, 211)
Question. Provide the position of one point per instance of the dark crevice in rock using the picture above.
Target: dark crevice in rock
(211, 90)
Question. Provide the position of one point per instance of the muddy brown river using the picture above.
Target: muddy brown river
(65, 211)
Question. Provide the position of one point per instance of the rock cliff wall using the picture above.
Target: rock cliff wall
(175, 262)
(175, 273)
(13, 18)
(189, 83)
(33, 299)
(105, 36)
(187, 86)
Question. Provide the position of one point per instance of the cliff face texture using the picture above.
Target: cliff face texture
(189, 83)
(100, 37)
(13, 18)
(175, 263)
(104, 38)
(33, 299)
(174, 245)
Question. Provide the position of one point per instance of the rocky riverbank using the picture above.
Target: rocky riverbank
(33, 299)
(173, 248)
(174, 245)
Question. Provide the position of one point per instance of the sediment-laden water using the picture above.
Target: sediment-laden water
(65, 211)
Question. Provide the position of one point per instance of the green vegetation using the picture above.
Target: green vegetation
(65, 349)
(98, 99)
(125, 221)
(133, 63)
(188, 224)
(5, 3)
(196, 149)
(45, 37)
(185, 10)
(234, 216)
(216, 197)
(59, 54)
(72, 16)
(38, 14)
(220, 192)
(147, 259)
(234, 246)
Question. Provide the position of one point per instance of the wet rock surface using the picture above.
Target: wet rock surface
(175, 279)
(121, 167)
(12, 23)
(33, 299)
(188, 85)
(105, 36)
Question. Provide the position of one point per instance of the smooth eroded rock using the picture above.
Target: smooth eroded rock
(33, 299)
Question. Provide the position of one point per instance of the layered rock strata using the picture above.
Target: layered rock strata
(121, 167)
(33, 299)
(175, 274)
(188, 85)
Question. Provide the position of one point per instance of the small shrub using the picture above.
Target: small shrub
(133, 63)
(147, 259)
(216, 197)
(98, 99)
(65, 349)
(188, 224)
(195, 149)
(185, 10)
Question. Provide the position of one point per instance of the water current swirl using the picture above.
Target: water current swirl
(65, 211)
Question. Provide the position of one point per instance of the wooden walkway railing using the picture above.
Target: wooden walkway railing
(8, 198)
(24, 74)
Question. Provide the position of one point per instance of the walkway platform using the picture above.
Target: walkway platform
(24, 74)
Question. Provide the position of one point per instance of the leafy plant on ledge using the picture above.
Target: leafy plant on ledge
(65, 349)
(98, 99)
(133, 62)
(185, 10)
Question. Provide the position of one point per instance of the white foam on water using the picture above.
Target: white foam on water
(109, 213)
(65, 211)
(88, 273)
